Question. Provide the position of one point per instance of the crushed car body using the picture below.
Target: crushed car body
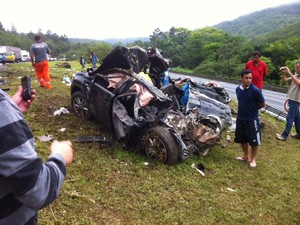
(144, 115)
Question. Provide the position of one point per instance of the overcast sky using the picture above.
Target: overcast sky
(98, 19)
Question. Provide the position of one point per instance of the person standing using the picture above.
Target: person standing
(293, 94)
(39, 58)
(3, 59)
(94, 59)
(27, 184)
(259, 69)
(82, 62)
(250, 100)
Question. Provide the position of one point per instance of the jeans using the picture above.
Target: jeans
(293, 116)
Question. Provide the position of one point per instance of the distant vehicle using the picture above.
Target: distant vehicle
(25, 57)
(13, 54)
(52, 58)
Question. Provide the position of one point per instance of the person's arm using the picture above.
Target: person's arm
(266, 70)
(285, 70)
(261, 105)
(34, 183)
(292, 76)
(260, 100)
(48, 50)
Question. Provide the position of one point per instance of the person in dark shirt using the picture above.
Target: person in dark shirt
(250, 100)
(39, 55)
(82, 62)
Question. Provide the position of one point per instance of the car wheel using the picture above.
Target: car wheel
(160, 145)
(80, 106)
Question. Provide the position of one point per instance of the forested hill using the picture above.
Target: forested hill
(263, 22)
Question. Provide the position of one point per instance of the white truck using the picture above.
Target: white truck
(25, 57)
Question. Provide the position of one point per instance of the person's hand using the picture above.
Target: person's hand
(63, 148)
(287, 70)
(20, 102)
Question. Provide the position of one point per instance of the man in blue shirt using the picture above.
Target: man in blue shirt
(250, 100)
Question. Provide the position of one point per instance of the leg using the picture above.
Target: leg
(297, 120)
(39, 74)
(254, 150)
(293, 108)
(240, 137)
(46, 75)
(245, 151)
(254, 137)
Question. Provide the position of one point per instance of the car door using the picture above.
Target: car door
(100, 101)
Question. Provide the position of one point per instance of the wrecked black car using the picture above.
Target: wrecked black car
(139, 114)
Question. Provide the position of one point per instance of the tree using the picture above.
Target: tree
(1, 27)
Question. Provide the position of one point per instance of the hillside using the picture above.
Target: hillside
(262, 22)
(251, 25)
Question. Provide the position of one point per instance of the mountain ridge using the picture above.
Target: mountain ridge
(270, 19)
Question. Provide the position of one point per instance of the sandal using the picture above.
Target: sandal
(242, 159)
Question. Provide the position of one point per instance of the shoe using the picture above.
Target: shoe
(48, 86)
(295, 136)
(280, 137)
(242, 159)
(253, 165)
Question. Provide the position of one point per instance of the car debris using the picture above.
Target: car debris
(45, 137)
(165, 121)
(103, 140)
(60, 111)
(200, 168)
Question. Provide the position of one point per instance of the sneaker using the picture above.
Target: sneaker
(295, 136)
(280, 137)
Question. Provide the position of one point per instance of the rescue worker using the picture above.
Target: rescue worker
(39, 52)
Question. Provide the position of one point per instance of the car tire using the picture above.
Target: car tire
(160, 145)
(80, 106)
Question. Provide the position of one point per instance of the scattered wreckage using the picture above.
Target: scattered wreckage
(169, 120)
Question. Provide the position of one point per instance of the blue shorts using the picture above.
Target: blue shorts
(248, 131)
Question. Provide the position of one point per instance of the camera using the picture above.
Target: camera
(282, 68)
(25, 82)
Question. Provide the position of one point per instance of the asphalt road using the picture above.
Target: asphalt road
(273, 98)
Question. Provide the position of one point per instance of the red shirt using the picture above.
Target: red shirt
(259, 71)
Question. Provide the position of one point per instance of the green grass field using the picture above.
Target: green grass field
(114, 186)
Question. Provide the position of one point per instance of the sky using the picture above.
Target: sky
(98, 19)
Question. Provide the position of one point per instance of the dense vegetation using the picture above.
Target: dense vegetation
(218, 51)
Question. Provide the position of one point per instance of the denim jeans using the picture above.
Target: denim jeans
(293, 116)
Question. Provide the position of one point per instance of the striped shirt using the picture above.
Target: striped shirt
(27, 184)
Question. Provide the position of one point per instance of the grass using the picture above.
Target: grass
(114, 186)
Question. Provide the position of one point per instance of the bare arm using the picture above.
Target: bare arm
(292, 77)
(261, 105)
